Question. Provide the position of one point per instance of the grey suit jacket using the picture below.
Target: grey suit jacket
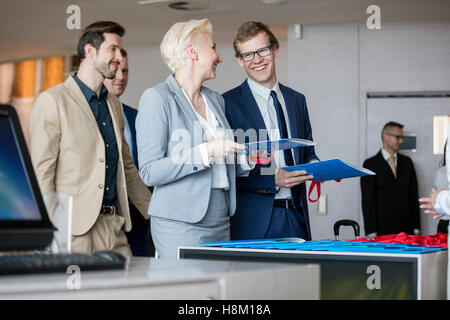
(168, 137)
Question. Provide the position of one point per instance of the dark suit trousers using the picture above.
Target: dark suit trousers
(139, 238)
(287, 223)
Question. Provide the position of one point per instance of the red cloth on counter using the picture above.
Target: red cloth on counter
(437, 240)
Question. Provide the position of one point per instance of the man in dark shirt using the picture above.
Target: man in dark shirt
(105, 125)
(139, 237)
(77, 146)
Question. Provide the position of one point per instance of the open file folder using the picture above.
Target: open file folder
(333, 169)
(275, 145)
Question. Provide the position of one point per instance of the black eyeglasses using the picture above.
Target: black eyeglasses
(249, 56)
(395, 135)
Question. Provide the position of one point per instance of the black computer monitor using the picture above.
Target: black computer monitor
(24, 222)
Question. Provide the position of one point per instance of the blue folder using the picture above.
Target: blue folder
(331, 170)
(275, 145)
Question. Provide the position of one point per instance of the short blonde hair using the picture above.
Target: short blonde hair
(181, 34)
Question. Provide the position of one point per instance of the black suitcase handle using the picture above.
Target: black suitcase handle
(346, 222)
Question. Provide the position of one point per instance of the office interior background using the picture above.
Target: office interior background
(355, 77)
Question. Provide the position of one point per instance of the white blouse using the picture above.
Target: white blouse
(213, 131)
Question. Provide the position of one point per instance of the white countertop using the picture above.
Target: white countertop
(154, 274)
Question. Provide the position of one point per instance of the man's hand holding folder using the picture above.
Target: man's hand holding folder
(287, 179)
(333, 169)
(291, 179)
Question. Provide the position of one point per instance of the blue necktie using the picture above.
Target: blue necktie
(283, 127)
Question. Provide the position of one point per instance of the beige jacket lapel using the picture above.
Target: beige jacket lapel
(81, 102)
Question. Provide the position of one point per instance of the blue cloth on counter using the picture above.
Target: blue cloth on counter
(325, 245)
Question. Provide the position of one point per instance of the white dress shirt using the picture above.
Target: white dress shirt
(387, 155)
(267, 109)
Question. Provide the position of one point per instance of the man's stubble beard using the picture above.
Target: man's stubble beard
(104, 70)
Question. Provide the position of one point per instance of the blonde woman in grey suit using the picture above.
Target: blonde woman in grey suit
(186, 147)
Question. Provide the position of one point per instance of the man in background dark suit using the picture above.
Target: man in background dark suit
(390, 198)
(139, 237)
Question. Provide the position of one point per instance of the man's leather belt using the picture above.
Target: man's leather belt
(108, 210)
(283, 203)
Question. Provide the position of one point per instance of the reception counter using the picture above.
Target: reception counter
(349, 270)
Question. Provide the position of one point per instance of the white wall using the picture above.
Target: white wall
(335, 66)
(323, 66)
(145, 70)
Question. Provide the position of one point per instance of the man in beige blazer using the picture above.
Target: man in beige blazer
(78, 147)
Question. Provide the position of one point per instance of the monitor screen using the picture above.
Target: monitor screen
(17, 201)
(24, 222)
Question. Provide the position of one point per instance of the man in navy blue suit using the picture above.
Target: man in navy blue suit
(139, 237)
(271, 202)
